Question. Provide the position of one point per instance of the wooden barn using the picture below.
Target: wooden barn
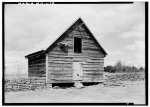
(75, 55)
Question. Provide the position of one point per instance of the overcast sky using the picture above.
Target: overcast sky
(119, 28)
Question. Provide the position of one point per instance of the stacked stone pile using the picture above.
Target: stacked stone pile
(25, 84)
(118, 79)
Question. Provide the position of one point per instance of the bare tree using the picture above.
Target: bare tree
(118, 66)
(19, 68)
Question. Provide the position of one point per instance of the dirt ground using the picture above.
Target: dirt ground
(130, 92)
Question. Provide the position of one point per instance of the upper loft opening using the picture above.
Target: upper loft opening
(77, 45)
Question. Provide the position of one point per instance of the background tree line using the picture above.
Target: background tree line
(120, 67)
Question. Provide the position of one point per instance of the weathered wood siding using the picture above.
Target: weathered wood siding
(60, 64)
(36, 66)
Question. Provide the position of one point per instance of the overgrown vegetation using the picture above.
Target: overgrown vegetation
(120, 67)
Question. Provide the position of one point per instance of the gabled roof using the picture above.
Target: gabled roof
(78, 22)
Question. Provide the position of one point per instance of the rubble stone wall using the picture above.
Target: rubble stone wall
(25, 84)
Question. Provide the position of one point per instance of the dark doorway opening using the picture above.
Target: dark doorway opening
(77, 45)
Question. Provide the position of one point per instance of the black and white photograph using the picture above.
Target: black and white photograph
(74, 53)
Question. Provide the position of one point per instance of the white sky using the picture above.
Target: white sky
(119, 28)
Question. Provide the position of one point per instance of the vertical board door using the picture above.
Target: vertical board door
(77, 71)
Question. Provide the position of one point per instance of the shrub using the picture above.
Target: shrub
(109, 69)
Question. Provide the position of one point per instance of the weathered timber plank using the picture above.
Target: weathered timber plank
(59, 62)
(95, 61)
(37, 65)
(61, 74)
(64, 69)
(75, 32)
(61, 81)
(92, 76)
(59, 53)
(71, 55)
(93, 72)
(36, 60)
(61, 71)
(62, 78)
(54, 66)
(91, 51)
(60, 67)
(62, 60)
(88, 41)
(37, 68)
(69, 46)
(93, 54)
(87, 70)
(90, 64)
(68, 39)
(86, 44)
(58, 57)
(91, 69)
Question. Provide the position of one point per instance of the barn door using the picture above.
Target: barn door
(77, 71)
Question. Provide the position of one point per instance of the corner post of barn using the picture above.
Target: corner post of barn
(48, 85)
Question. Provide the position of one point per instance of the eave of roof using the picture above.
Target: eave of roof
(35, 54)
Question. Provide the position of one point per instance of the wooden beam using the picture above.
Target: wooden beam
(46, 68)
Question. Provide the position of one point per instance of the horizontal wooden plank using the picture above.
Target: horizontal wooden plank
(37, 65)
(62, 78)
(93, 54)
(91, 51)
(58, 57)
(90, 48)
(68, 39)
(63, 73)
(75, 32)
(91, 66)
(95, 61)
(60, 74)
(61, 81)
(63, 69)
(87, 70)
(93, 73)
(91, 69)
(60, 66)
(88, 41)
(35, 68)
(71, 55)
(59, 62)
